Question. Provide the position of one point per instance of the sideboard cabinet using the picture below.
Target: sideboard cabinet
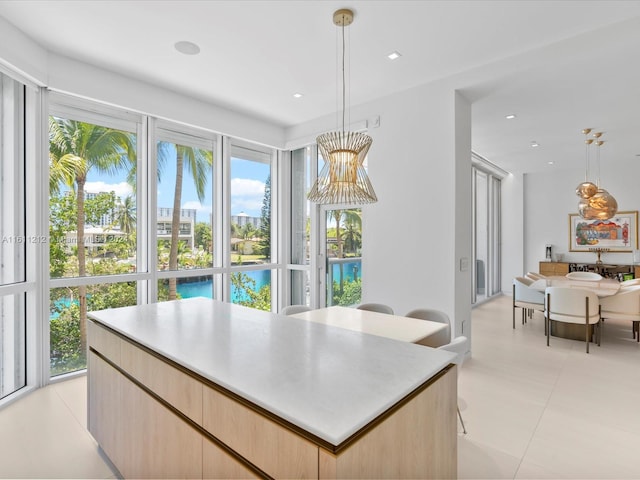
(551, 269)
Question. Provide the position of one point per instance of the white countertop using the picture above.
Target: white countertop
(329, 381)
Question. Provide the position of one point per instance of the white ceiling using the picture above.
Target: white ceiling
(559, 66)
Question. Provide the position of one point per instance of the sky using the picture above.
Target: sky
(247, 188)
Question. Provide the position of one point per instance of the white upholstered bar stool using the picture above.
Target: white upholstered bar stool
(572, 305)
(432, 315)
(293, 309)
(376, 307)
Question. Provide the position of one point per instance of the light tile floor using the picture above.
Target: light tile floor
(44, 435)
(531, 411)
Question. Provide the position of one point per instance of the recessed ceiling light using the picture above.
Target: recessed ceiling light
(297, 95)
(511, 116)
(393, 55)
(188, 48)
(550, 163)
(535, 144)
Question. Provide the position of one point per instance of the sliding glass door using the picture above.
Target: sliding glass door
(486, 233)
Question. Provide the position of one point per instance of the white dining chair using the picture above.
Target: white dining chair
(433, 315)
(293, 309)
(459, 346)
(572, 305)
(376, 307)
(535, 276)
(525, 298)
(624, 305)
(634, 282)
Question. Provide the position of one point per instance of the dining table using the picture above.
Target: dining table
(603, 287)
(396, 327)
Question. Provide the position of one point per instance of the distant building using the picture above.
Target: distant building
(187, 225)
(106, 230)
(242, 219)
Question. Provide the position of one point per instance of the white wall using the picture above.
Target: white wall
(420, 167)
(549, 198)
(512, 243)
(71, 76)
(19, 53)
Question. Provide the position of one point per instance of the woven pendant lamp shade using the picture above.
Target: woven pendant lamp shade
(343, 178)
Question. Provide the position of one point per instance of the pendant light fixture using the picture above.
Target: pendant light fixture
(343, 178)
(600, 205)
(586, 189)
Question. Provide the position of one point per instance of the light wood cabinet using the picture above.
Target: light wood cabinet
(553, 269)
(401, 446)
(155, 419)
(218, 464)
(180, 390)
(550, 269)
(274, 449)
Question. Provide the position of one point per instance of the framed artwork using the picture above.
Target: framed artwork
(618, 234)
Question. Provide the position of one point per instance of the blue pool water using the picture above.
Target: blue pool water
(205, 288)
(350, 271)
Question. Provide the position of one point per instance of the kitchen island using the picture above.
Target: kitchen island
(204, 389)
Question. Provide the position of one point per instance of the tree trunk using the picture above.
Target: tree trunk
(82, 269)
(175, 223)
(337, 214)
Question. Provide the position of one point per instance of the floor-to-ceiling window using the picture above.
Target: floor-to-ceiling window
(299, 267)
(326, 241)
(340, 247)
(183, 217)
(251, 221)
(486, 230)
(94, 166)
(13, 240)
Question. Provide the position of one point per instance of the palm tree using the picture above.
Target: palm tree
(198, 162)
(76, 148)
(126, 215)
(248, 231)
(352, 236)
(352, 216)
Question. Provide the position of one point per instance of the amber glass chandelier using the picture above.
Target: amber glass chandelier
(595, 203)
(343, 178)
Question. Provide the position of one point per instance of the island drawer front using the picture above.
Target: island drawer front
(177, 388)
(104, 342)
(400, 446)
(156, 443)
(104, 404)
(274, 449)
(216, 463)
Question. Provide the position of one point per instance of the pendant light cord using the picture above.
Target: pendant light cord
(343, 79)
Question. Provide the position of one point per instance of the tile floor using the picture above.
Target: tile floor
(538, 412)
(531, 411)
(44, 435)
